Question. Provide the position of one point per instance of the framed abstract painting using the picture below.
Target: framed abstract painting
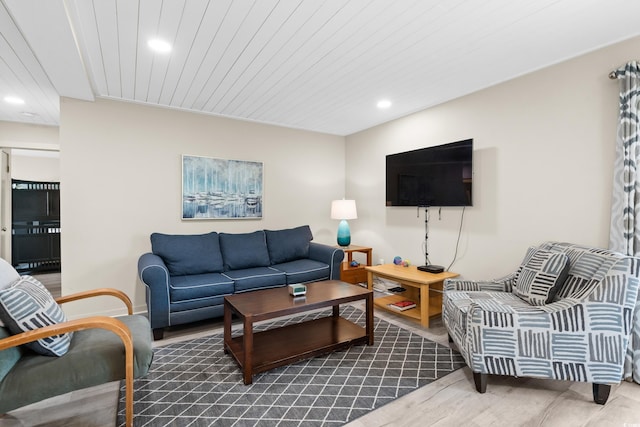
(221, 189)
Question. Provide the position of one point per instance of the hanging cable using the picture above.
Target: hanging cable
(455, 255)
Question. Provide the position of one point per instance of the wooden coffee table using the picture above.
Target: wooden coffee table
(425, 289)
(261, 351)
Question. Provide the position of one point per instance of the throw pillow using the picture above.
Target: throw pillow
(27, 305)
(289, 245)
(189, 253)
(8, 275)
(244, 250)
(541, 275)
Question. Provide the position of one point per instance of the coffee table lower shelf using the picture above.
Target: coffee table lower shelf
(288, 344)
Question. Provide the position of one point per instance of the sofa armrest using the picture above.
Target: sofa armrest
(154, 274)
(329, 255)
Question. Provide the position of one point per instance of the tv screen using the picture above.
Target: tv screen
(432, 176)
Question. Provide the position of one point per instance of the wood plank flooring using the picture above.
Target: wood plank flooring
(450, 401)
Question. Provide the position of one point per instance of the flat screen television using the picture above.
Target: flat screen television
(433, 176)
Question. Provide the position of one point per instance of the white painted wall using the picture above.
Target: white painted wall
(121, 181)
(35, 165)
(543, 164)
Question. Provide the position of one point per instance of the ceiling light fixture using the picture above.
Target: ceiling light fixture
(384, 103)
(9, 99)
(160, 46)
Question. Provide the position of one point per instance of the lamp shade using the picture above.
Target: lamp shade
(343, 209)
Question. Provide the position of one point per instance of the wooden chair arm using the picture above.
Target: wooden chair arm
(103, 322)
(98, 292)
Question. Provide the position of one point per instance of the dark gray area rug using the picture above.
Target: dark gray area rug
(193, 383)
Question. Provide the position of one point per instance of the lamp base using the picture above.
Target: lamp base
(344, 233)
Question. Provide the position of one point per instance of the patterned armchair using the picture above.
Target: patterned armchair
(548, 321)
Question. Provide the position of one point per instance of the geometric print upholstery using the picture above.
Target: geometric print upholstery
(540, 276)
(27, 305)
(582, 335)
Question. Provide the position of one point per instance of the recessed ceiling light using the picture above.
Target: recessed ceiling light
(384, 103)
(13, 100)
(160, 46)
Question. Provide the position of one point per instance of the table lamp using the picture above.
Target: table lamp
(344, 210)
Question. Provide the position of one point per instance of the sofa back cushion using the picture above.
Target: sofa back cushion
(188, 254)
(244, 250)
(289, 245)
(540, 276)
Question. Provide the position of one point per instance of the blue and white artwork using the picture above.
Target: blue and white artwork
(221, 189)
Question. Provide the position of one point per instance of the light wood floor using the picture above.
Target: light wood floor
(450, 401)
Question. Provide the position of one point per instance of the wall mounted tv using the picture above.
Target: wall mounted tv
(432, 176)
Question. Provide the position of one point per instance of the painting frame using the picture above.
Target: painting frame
(214, 188)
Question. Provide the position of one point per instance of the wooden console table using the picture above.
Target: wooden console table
(425, 289)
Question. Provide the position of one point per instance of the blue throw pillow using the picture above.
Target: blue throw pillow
(186, 254)
(244, 250)
(27, 305)
(289, 245)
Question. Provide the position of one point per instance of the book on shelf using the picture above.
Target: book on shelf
(402, 305)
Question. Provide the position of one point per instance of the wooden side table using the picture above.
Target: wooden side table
(354, 274)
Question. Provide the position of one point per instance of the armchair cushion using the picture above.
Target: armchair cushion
(244, 250)
(188, 254)
(8, 357)
(540, 276)
(27, 305)
(289, 245)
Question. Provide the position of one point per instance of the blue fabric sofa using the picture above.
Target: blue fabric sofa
(188, 276)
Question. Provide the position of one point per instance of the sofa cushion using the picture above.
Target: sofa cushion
(27, 305)
(188, 254)
(541, 274)
(304, 270)
(251, 279)
(196, 286)
(244, 250)
(288, 245)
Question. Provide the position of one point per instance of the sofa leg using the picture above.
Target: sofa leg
(158, 334)
(481, 382)
(601, 393)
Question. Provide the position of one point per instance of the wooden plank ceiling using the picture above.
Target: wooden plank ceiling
(314, 65)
